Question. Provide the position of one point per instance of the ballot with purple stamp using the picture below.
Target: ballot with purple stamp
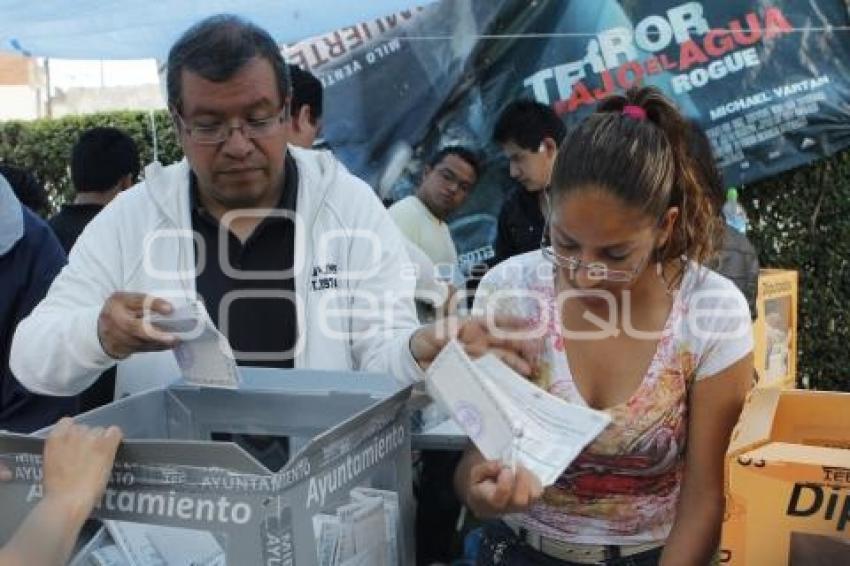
(453, 384)
(507, 417)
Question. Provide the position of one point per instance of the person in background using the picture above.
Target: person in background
(104, 162)
(529, 134)
(27, 188)
(305, 108)
(30, 258)
(447, 181)
(736, 258)
(634, 326)
(77, 464)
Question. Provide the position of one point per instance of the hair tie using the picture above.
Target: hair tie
(634, 112)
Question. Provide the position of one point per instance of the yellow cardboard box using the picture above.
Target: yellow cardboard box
(775, 329)
(788, 474)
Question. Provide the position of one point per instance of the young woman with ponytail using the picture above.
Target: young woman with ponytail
(636, 326)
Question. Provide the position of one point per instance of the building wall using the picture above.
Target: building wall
(20, 92)
(89, 100)
(19, 102)
(16, 70)
(23, 94)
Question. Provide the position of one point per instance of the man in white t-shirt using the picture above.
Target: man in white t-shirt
(447, 181)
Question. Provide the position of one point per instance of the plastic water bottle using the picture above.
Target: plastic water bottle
(734, 213)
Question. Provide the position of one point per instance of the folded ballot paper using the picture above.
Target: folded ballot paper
(507, 417)
(203, 353)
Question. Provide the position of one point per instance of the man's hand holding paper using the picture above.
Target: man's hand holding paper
(122, 326)
(505, 336)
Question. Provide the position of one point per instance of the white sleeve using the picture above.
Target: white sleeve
(718, 319)
(506, 290)
(428, 287)
(56, 350)
(489, 284)
(384, 315)
(405, 219)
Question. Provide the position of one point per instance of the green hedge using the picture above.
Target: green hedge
(44, 146)
(801, 221)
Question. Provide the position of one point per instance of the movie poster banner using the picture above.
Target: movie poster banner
(769, 81)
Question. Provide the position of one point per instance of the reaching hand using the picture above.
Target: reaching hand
(77, 463)
(507, 337)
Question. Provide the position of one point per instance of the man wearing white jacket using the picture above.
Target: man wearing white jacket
(295, 258)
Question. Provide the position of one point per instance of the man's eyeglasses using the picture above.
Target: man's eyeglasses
(596, 270)
(218, 132)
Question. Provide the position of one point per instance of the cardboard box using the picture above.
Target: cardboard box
(788, 492)
(348, 433)
(775, 329)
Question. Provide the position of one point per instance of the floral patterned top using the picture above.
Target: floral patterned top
(623, 488)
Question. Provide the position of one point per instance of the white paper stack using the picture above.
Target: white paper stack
(109, 555)
(507, 417)
(152, 545)
(362, 532)
(392, 518)
(326, 531)
(135, 546)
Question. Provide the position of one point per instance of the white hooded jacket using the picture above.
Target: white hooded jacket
(354, 305)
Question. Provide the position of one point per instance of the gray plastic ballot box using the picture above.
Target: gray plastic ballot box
(347, 479)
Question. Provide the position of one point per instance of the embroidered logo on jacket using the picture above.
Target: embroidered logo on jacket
(324, 277)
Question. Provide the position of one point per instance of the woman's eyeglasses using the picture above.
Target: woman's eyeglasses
(596, 270)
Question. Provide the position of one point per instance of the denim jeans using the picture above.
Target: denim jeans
(501, 546)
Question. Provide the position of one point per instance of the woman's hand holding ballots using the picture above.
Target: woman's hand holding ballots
(493, 489)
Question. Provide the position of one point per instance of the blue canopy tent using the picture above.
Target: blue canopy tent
(134, 29)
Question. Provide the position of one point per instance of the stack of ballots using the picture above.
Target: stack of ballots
(362, 532)
(507, 417)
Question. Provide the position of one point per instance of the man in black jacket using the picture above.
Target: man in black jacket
(104, 162)
(529, 134)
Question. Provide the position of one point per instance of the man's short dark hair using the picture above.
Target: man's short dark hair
(216, 48)
(526, 123)
(462, 152)
(101, 157)
(306, 89)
